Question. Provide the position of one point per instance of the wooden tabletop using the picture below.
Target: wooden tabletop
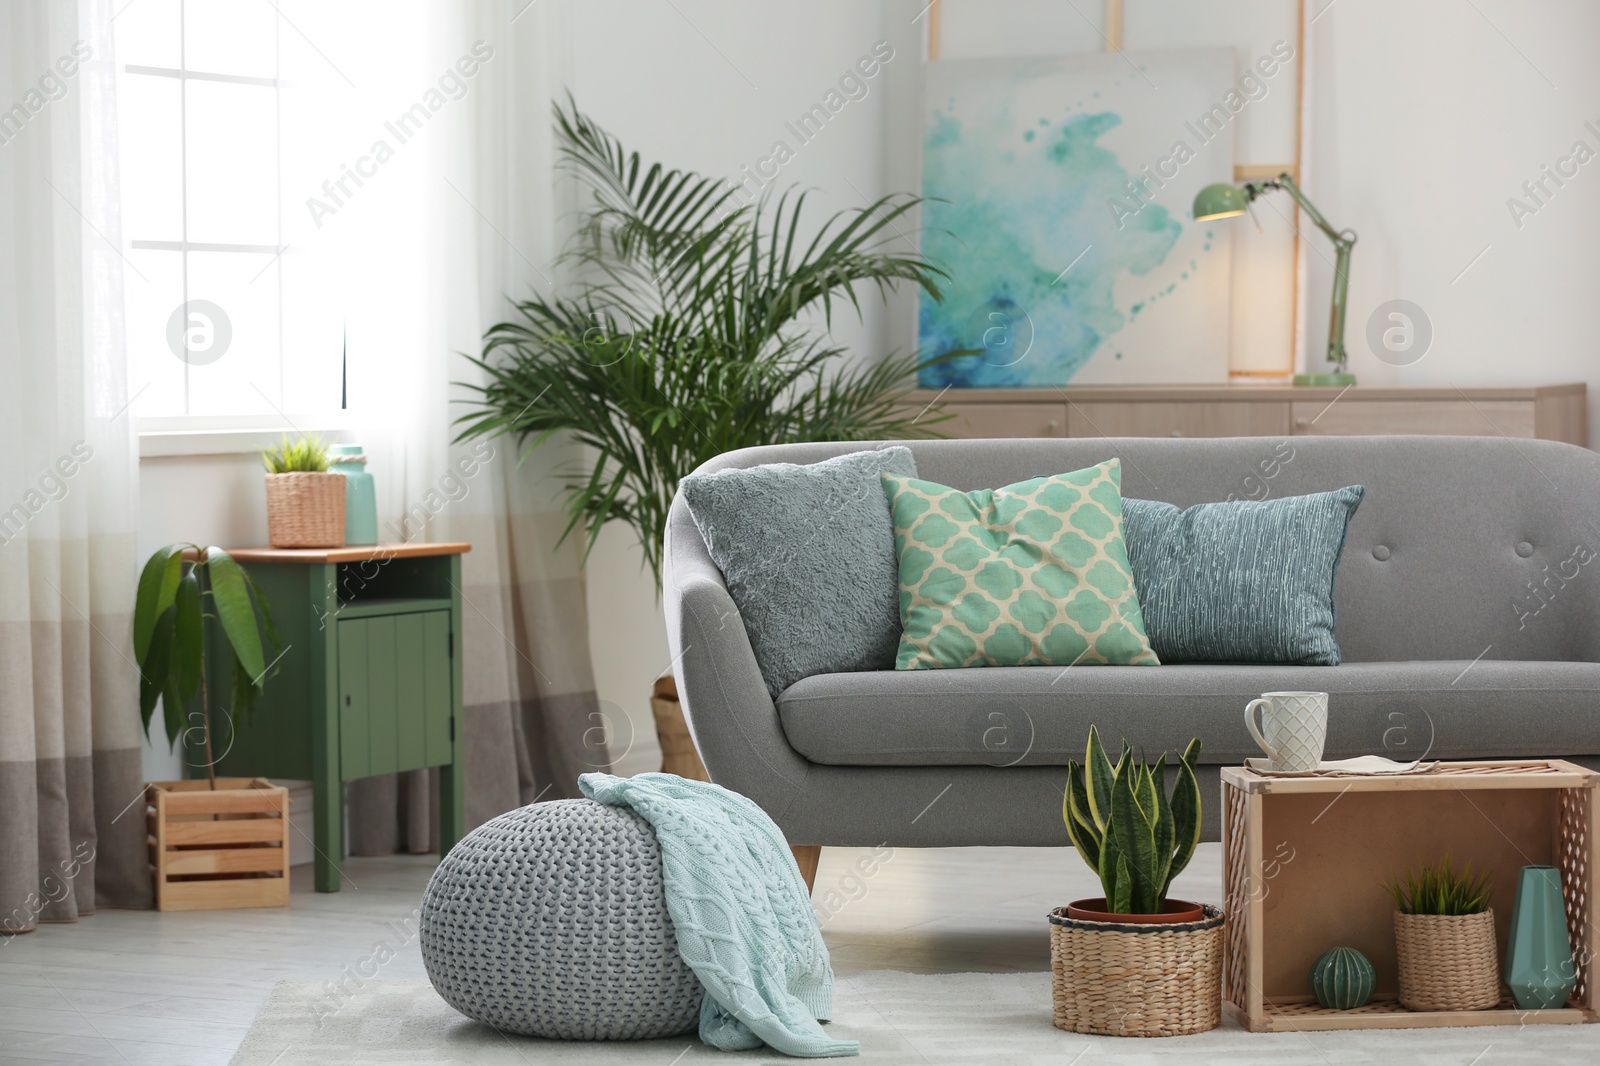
(1459, 776)
(354, 554)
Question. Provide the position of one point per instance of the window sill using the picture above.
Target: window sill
(166, 443)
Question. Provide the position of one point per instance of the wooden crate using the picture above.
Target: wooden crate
(222, 849)
(1304, 861)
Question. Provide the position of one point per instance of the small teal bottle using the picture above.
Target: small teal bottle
(360, 497)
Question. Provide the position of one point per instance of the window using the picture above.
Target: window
(229, 319)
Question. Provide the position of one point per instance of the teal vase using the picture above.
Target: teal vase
(1343, 979)
(1539, 969)
(360, 496)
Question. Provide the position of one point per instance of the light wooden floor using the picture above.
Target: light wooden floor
(138, 987)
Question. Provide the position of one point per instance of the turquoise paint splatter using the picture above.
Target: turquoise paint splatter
(1027, 135)
(1006, 222)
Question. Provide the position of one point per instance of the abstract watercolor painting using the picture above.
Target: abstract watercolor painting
(1060, 197)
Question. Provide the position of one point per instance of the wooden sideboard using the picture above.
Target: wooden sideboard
(1544, 412)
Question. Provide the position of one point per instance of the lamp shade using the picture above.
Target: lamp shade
(1219, 201)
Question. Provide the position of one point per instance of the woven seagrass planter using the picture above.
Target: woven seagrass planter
(305, 510)
(1136, 980)
(1447, 961)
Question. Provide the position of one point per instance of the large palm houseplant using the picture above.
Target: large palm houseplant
(700, 323)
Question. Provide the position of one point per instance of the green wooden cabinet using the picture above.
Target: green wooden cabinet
(368, 682)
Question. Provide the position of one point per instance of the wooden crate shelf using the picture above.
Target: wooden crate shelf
(221, 849)
(1385, 1012)
(1304, 860)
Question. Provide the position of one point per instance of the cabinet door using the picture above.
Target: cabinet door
(1191, 418)
(394, 693)
(978, 420)
(355, 759)
(1463, 418)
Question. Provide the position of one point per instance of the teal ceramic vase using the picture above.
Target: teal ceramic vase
(1343, 979)
(360, 496)
(1539, 969)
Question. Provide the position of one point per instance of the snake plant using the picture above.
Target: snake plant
(1126, 827)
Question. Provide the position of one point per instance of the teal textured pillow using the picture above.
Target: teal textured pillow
(808, 556)
(1241, 582)
(1034, 573)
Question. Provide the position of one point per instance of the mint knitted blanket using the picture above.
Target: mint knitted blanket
(741, 912)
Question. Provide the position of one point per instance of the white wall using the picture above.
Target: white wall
(1427, 117)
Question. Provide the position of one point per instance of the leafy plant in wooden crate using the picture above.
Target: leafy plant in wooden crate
(1135, 963)
(1444, 937)
(224, 842)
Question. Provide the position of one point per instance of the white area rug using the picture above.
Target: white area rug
(899, 1018)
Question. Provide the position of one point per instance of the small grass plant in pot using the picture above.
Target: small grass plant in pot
(1135, 962)
(1444, 938)
(305, 502)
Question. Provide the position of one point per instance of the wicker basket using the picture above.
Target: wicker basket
(1447, 961)
(1136, 980)
(678, 753)
(305, 510)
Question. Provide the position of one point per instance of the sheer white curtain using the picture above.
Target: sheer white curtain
(72, 834)
(445, 210)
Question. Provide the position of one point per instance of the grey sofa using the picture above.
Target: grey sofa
(1467, 603)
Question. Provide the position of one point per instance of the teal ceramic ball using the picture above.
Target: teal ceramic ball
(1343, 979)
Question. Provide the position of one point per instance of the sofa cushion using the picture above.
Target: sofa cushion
(1246, 581)
(1040, 715)
(808, 556)
(1030, 573)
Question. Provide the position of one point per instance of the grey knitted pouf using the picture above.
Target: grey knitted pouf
(551, 921)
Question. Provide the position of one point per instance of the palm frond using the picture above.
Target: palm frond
(684, 339)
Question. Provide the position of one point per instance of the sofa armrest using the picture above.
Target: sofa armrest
(725, 701)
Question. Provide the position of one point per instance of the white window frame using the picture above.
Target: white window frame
(202, 434)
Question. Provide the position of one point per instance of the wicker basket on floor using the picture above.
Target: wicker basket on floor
(1447, 961)
(305, 510)
(1136, 980)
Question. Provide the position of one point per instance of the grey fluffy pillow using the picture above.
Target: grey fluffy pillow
(808, 555)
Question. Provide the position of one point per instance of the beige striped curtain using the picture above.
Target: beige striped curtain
(458, 228)
(72, 835)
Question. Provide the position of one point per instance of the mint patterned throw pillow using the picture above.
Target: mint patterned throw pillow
(1034, 573)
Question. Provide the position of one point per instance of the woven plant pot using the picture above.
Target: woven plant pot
(1447, 961)
(305, 510)
(1136, 980)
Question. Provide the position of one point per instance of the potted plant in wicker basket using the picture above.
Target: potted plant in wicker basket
(1135, 963)
(1444, 938)
(305, 503)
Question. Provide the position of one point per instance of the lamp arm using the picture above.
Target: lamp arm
(1343, 242)
(1286, 183)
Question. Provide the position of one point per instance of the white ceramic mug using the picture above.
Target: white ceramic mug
(1294, 727)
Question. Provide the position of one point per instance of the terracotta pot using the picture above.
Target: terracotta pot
(1173, 912)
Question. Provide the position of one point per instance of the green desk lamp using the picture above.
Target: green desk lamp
(1225, 201)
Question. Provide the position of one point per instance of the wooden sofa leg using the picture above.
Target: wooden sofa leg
(806, 857)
